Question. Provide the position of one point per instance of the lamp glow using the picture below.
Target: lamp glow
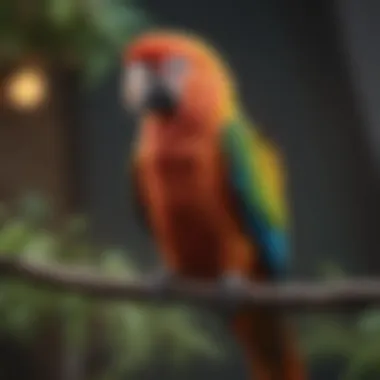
(27, 89)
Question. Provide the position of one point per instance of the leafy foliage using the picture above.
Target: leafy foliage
(136, 332)
(88, 33)
(352, 338)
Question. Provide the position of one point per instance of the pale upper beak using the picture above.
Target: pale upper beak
(147, 90)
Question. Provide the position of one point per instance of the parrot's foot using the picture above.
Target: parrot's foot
(236, 288)
(161, 281)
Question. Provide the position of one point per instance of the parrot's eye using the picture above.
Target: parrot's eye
(136, 84)
(173, 71)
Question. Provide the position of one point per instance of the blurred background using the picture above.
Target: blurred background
(309, 76)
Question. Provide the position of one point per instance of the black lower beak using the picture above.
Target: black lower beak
(161, 100)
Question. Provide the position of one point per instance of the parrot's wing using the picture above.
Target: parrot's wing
(256, 178)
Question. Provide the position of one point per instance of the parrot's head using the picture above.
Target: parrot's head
(175, 75)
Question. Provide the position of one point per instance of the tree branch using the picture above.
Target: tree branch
(331, 295)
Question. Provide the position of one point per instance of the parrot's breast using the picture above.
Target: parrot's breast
(191, 196)
(188, 200)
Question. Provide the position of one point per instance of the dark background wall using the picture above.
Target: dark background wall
(360, 33)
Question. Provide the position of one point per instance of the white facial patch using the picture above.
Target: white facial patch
(135, 85)
(173, 73)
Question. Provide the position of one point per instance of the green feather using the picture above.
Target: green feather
(255, 177)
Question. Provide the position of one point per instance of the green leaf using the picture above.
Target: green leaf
(96, 66)
(76, 227)
(14, 235)
(87, 34)
(41, 247)
(116, 262)
(135, 331)
(369, 322)
(62, 12)
(35, 208)
(331, 271)
(366, 358)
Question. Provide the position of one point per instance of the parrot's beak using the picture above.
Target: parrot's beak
(161, 100)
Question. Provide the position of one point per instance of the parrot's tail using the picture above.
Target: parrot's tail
(270, 347)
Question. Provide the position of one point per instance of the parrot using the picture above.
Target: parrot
(209, 186)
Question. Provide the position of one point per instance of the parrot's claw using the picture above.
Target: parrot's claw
(161, 281)
(236, 288)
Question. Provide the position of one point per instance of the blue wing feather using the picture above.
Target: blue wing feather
(254, 205)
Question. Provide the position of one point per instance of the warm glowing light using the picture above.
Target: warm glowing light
(27, 89)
